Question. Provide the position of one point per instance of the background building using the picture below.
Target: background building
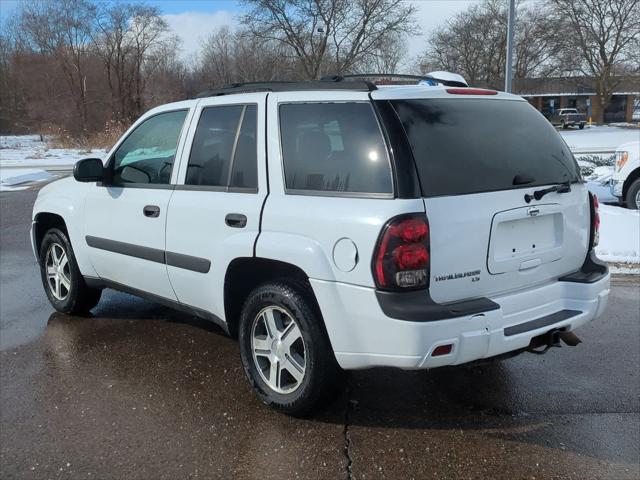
(550, 94)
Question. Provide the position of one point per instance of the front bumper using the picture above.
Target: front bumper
(362, 336)
(616, 186)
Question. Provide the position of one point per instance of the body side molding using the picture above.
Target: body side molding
(179, 260)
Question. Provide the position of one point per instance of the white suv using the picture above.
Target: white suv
(336, 225)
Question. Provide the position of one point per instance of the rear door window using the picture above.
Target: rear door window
(244, 174)
(334, 147)
(212, 147)
(463, 146)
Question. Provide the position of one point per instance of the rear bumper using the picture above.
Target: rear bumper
(363, 336)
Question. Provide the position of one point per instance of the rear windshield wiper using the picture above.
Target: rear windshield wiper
(522, 179)
(559, 188)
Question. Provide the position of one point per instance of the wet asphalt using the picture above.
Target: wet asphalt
(138, 391)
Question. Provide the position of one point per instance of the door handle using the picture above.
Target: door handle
(151, 211)
(235, 220)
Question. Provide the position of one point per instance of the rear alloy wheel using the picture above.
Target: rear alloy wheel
(285, 351)
(278, 349)
(632, 198)
(63, 283)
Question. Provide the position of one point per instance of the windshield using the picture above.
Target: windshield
(469, 145)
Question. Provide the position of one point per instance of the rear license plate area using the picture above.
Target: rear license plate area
(520, 241)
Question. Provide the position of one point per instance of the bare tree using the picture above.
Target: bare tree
(257, 60)
(473, 43)
(600, 40)
(111, 38)
(329, 34)
(61, 30)
(386, 58)
(219, 56)
(150, 33)
(12, 97)
(538, 42)
(231, 57)
(468, 45)
(128, 38)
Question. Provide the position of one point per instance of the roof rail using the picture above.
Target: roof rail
(287, 86)
(443, 81)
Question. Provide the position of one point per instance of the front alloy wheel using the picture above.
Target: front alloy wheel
(64, 285)
(278, 349)
(58, 271)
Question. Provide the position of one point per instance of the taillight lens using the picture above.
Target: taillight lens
(595, 220)
(402, 257)
(621, 159)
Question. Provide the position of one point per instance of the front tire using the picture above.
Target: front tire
(63, 283)
(632, 198)
(285, 352)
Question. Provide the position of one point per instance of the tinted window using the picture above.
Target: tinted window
(147, 154)
(212, 146)
(471, 145)
(333, 147)
(245, 161)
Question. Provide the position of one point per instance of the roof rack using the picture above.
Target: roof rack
(445, 82)
(288, 86)
(352, 82)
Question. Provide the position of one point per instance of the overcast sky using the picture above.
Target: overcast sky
(194, 20)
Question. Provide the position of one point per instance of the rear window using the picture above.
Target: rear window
(473, 145)
(334, 147)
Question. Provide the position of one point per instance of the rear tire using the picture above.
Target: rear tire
(632, 198)
(292, 376)
(63, 283)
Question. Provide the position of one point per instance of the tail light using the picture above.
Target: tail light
(402, 257)
(621, 159)
(595, 220)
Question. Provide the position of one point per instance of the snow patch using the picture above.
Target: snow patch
(32, 151)
(11, 179)
(619, 236)
(598, 138)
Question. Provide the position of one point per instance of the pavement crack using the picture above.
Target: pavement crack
(345, 432)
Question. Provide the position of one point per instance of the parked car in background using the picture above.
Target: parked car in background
(336, 225)
(625, 183)
(568, 117)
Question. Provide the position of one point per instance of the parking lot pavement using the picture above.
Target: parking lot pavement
(140, 391)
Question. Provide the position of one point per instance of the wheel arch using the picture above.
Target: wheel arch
(246, 273)
(43, 222)
(632, 177)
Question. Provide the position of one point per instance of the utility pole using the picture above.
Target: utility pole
(508, 75)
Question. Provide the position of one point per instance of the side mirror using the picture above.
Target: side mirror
(88, 170)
